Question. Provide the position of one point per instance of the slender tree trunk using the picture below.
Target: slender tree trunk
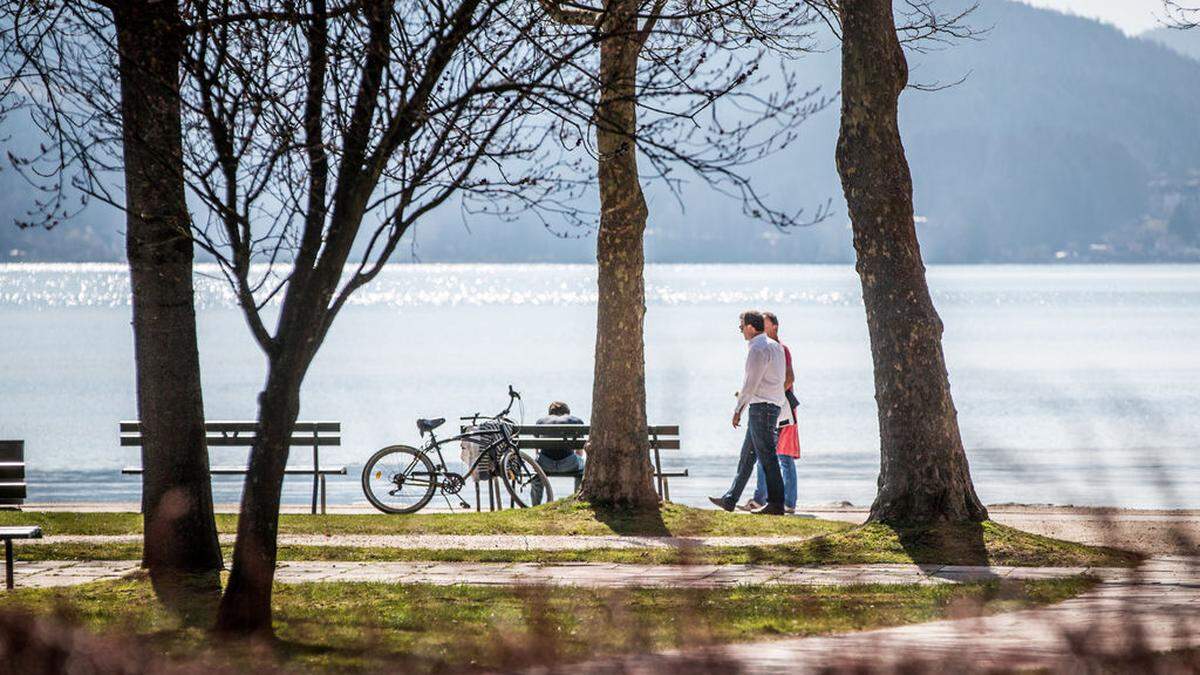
(246, 606)
(180, 532)
(924, 476)
(618, 471)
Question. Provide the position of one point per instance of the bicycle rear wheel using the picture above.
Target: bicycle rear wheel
(399, 479)
(520, 474)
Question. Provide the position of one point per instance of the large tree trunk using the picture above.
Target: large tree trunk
(618, 470)
(924, 477)
(246, 606)
(180, 540)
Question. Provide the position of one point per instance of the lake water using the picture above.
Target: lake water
(1073, 384)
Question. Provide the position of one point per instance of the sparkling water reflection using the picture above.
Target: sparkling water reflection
(1073, 384)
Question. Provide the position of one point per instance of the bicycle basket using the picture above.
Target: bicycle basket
(473, 447)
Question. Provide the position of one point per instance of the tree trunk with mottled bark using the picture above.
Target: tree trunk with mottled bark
(246, 606)
(924, 477)
(618, 471)
(180, 543)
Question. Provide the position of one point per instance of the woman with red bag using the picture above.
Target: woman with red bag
(787, 445)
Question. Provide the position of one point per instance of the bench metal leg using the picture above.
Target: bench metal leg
(8, 564)
(316, 474)
(662, 488)
(478, 506)
(323, 494)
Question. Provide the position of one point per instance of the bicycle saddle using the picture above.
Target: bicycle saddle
(424, 425)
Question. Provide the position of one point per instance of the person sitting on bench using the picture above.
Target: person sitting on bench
(557, 460)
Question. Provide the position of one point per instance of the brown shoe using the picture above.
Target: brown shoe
(721, 503)
(769, 510)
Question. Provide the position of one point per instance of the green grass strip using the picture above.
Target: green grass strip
(564, 517)
(986, 544)
(426, 629)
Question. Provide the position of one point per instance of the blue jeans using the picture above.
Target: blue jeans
(565, 465)
(787, 466)
(759, 446)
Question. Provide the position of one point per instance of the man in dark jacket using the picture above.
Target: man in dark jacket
(557, 460)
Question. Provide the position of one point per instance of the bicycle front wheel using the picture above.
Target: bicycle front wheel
(399, 479)
(521, 475)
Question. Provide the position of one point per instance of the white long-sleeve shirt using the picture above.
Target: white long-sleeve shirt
(766, 369)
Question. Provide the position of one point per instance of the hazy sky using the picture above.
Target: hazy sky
(1131, 16)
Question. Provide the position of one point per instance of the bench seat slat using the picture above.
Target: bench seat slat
(21, 532)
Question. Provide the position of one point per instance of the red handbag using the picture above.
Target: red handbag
(789, 441)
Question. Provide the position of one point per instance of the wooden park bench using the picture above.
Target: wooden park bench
(535, 437)
(12, 474)
(8, 534)
(242, 435)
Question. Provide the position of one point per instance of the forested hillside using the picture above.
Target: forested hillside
(1066, 140)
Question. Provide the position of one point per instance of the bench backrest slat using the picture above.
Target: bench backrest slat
(225, 426)
(584, 429)
(246, 441)
(578, 443)
(574, 436)
(227, 434)
(12, 473)
(12, 451)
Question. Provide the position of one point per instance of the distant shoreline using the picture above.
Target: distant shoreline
(589, 263)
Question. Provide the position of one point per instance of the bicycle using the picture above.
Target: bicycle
(403, 479)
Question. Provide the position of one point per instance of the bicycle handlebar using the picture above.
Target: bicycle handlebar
(513, 395)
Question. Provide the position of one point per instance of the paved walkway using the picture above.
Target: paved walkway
(49, 573)
(1155, 608)
(604, 575)
(613, 575)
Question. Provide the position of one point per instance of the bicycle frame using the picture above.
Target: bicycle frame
(490, 451)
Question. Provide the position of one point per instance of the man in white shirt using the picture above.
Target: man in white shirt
(762, 394)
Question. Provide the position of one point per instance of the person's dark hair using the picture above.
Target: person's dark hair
(753, 318)
(559, 408)
(771, 316)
